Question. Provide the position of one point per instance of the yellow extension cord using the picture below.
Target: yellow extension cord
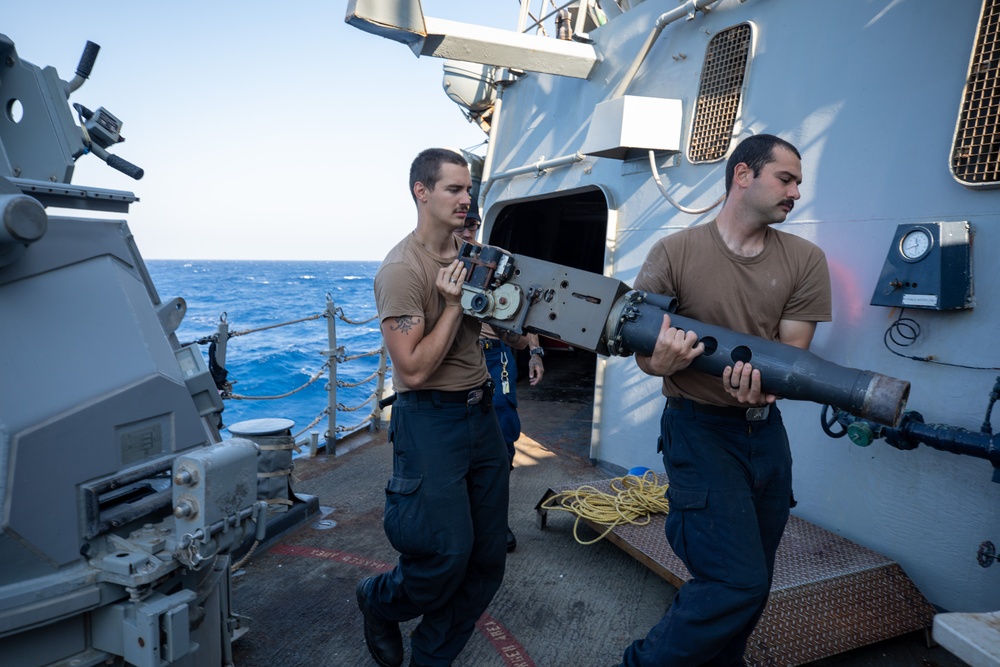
(633, 500)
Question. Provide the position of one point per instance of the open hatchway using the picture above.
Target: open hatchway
(569, 229)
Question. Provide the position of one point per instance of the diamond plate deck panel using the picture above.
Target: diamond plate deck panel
(829, 594)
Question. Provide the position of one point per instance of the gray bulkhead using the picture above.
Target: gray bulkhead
(870, 93)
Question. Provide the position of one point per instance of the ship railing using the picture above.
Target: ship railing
(336, 355)
(529, 20)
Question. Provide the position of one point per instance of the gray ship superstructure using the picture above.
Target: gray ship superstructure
(612, 130)
(121, 506)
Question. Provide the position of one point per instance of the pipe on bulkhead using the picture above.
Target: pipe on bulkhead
(543, 165)
(538, 168)
(912, 431)
(688, 9)
(487, 177)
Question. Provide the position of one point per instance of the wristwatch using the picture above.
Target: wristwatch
(537, 350)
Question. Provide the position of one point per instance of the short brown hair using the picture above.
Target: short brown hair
(427, 166)
(755, 151)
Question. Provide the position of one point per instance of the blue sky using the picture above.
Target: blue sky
(266, 130)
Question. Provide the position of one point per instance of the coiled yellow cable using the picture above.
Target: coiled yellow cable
(633, 500)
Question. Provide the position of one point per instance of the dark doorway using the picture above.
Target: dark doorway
(569, 230)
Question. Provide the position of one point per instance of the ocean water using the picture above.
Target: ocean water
(255, 294)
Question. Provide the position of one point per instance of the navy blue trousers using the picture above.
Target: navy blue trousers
(505, 404)
(446, 515)
(730, 494)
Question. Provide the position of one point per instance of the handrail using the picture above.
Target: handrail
(335, 354)
(583, 8)
(538, 168)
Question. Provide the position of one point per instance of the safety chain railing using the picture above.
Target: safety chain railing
(335, 354)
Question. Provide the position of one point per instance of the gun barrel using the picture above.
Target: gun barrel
(606, 316)
(788, 371)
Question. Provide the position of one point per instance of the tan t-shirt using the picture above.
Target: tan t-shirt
(404, 286)
(788, 280)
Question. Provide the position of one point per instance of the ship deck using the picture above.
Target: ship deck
(562, 603)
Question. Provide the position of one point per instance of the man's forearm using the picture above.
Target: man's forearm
(516, 341)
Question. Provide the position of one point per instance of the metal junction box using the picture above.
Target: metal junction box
(929, 266)
(631, 122)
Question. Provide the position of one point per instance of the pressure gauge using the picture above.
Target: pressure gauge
(915, 244)
(927, 265)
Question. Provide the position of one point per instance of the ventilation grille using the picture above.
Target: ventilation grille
(975, 157)
(719, 94)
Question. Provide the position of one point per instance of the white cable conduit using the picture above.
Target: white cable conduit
(688, 10)
(663, 191)
(487, 182)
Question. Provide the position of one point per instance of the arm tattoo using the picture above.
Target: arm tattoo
(405, 324)
(510, 337)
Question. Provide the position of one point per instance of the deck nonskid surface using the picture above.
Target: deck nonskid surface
(561, 604)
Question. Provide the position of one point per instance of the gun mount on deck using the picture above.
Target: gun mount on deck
(120, 504)
(606, 316)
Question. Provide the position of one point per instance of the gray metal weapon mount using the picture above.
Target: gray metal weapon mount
(119, 503)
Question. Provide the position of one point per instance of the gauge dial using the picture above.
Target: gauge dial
(915, 244)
